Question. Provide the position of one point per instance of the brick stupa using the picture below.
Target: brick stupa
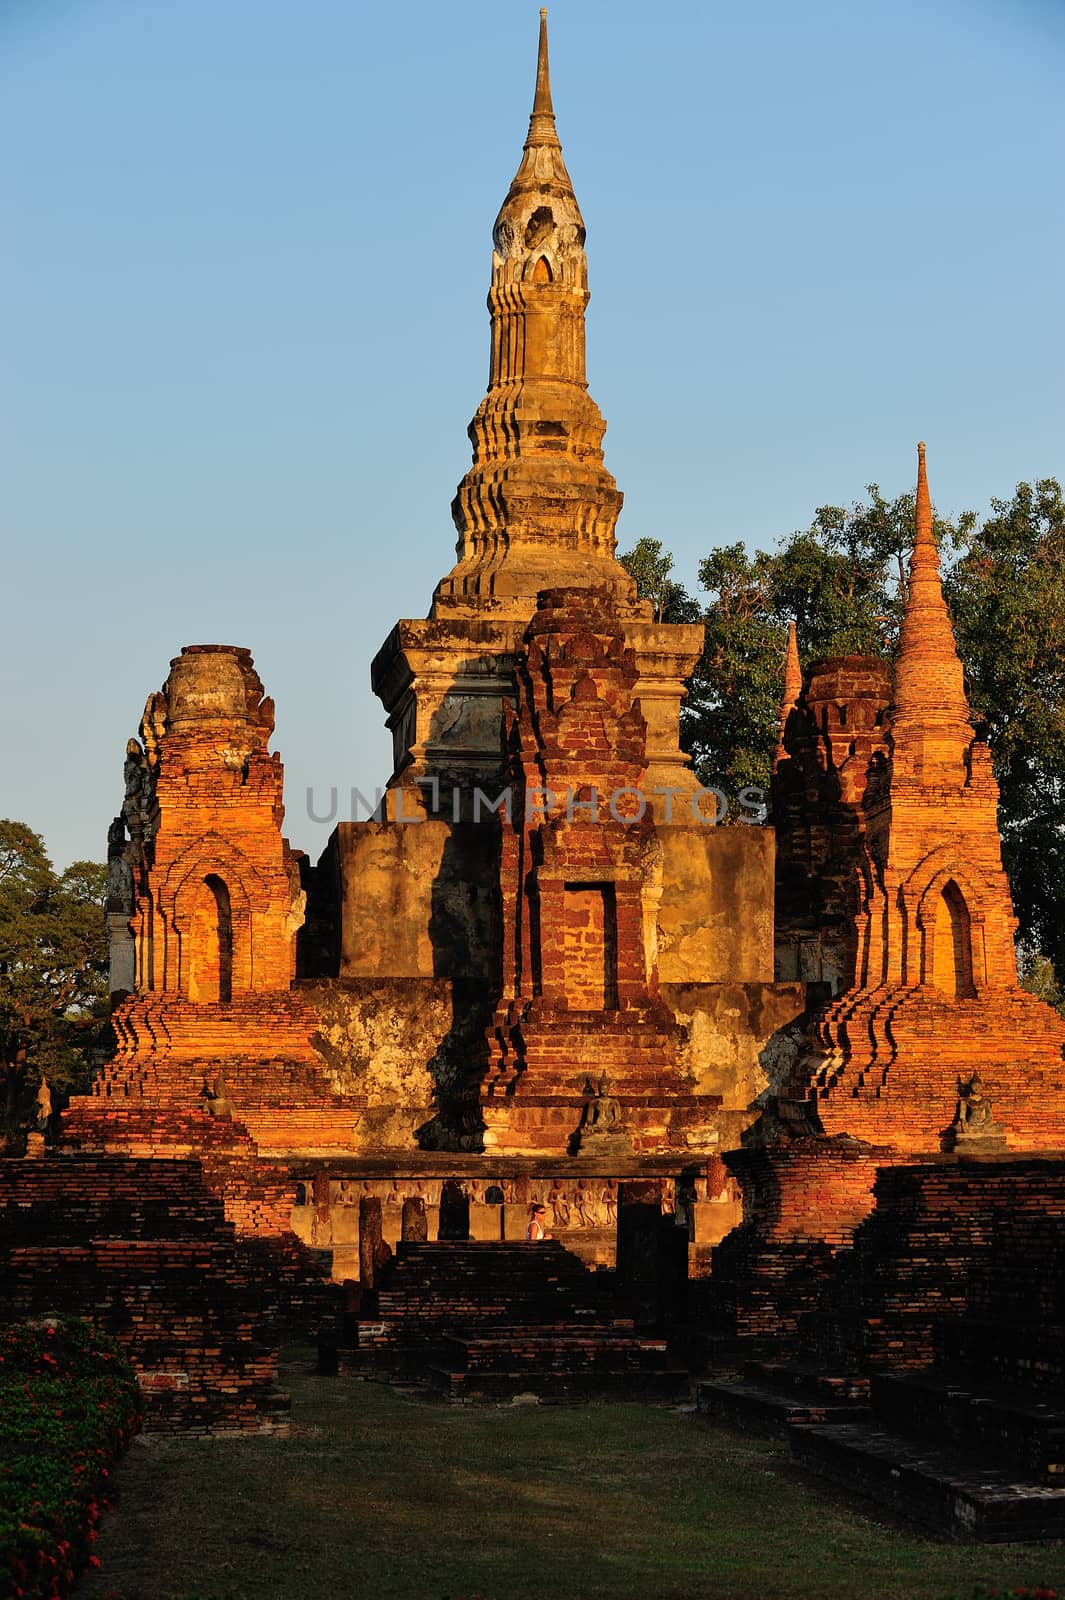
(919, 926)
(893, 908)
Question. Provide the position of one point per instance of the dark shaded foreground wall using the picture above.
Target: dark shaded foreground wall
(142, 1250)
(961, 1258)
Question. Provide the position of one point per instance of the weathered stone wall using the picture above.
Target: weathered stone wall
(733, 1030)
(419, 899)
(384, 1042)
(715, 917)
(422, 900)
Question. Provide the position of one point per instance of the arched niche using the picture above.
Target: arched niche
(951, 912)
(210, 942)
(952, 944)
(211, 893)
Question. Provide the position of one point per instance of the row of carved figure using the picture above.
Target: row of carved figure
(571, 1203)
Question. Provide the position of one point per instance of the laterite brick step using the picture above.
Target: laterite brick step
(661, 1387)
(769, 1409)
(487, 1320)
(1019, 1428)
(545, 1350)
(809, 1381)
(1027, 1353)
(943, 1489)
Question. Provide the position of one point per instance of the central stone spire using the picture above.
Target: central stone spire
(536, 512)
(538, 507)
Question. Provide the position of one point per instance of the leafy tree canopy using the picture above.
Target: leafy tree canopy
(651, 566)
(53, 972)
(1007, 594)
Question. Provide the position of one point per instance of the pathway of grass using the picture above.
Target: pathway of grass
(377, 1496)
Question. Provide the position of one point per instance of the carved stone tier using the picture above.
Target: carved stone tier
(888, 1061)
(444, 686)
(537, 507)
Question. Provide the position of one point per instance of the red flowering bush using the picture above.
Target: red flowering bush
(69, 1405)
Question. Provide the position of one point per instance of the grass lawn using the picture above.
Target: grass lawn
(384, 1497)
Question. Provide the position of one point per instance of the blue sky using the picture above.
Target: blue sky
(247, 247)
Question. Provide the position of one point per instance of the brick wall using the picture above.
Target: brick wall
(143, 1250)
(580, 992)
(589, 947)
(958, 1251)
(802, 1202)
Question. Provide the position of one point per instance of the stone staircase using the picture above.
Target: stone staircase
(771, 1397)
(480, 1321)
(973, 1447)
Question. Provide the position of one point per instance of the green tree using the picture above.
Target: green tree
(1007, 594)
(53, 972)
(651, 566)
(842, 581)
(729, 721)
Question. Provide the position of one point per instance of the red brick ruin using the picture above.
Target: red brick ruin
(885, 796)
(539, 973)
(580, 878)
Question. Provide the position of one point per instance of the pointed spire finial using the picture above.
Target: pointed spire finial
(924, 540)
(792, 688)
(542, 99)
(792, 668)
(929, 681)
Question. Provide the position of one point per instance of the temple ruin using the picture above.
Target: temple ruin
(542, 924)
(750, 1058)
(544, 914)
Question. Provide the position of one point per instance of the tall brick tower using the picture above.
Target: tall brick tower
(539, 664)
(204, 903)
(486, 993)
(206, 884)
(537, 506)
(893, 906)
(581, 876)
(929, 990)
